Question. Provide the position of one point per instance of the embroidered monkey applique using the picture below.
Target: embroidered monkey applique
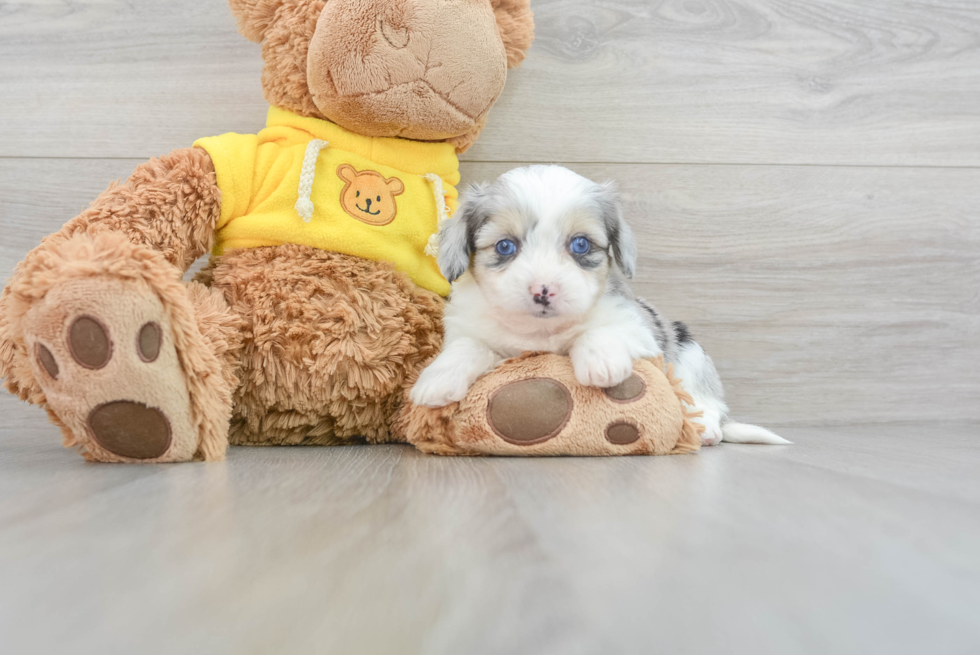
(368, 196)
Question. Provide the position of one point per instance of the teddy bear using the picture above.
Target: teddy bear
(322, 299)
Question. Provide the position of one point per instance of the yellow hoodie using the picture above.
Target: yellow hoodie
(311, 182)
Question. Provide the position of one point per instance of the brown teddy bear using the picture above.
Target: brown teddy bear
(307, 325)
(322, 300)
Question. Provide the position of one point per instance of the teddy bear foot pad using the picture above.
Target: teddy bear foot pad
(106, 361)
(533, 405)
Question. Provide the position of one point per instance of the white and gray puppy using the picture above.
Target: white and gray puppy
(539, 261)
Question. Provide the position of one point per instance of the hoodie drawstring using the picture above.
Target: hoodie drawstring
(442, 213)
(304, 206)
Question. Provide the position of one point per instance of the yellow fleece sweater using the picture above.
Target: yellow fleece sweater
(311, 182)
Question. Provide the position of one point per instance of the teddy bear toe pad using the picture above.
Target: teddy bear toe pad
(110, 371)
(622, 433)
(629, 390)
(528, 412)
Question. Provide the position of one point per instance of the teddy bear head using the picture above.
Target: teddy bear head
(419, 69)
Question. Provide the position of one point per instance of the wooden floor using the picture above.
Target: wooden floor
(804, 180)
(856, 540)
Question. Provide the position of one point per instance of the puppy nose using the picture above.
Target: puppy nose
(543, 293)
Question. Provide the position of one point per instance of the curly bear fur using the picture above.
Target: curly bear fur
(329, 342)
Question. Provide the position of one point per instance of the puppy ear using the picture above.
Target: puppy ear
(254, 16)
(457, 238)
(516, 24)
(621, 238)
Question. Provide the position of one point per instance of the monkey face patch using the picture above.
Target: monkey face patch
(368, 196)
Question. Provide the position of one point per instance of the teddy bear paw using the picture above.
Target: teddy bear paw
(533, 411)
(103, 353)
(534, 405)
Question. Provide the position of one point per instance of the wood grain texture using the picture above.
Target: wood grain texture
(675, 81)
(749, 81)
(114, 78)
(826, 295)
(855, 540)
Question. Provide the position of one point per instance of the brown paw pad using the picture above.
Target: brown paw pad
(88, 342)
(149, 341)
(47, 361)
(528, 412)
(629, 390)
(130, 429)
(622, 433)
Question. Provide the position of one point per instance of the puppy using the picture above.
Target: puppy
(539, 261)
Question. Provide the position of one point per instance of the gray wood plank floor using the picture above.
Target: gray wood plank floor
(853, 540)
(804, 179)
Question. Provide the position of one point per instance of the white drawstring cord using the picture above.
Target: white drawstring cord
(304, 206)
(442, 213)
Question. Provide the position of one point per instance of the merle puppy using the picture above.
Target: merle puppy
(539, 261)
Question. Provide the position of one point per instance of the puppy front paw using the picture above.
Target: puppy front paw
(601, 362)
(438, 386)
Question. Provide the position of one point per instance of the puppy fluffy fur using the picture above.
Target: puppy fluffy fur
(539, 261)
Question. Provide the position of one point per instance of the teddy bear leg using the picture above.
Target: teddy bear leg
(533, 405)
(330, 344)
(134, 365)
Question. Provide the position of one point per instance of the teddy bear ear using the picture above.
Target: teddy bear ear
(396, 186)
(346, 172)
(254, 16)
(516, 24)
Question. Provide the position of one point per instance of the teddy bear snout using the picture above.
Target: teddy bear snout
(414, 72)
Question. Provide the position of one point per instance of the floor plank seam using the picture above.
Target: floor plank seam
(579, 163)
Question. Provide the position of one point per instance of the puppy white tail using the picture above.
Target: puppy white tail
(745, 433)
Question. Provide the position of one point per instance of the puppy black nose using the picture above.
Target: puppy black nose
(542, 296)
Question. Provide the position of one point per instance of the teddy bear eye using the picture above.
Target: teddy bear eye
(379, 198)
(357, 195)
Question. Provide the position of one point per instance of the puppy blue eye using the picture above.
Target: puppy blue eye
(506, 247)
(580, 246)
